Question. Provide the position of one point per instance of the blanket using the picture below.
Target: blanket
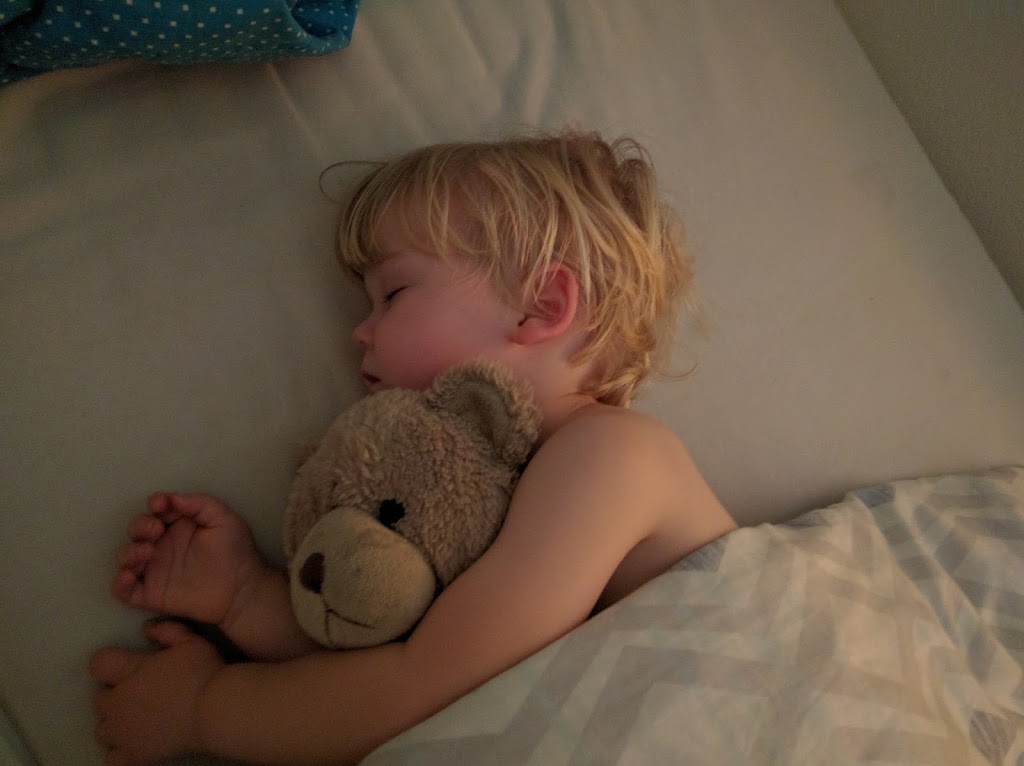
(39, 36)
(888, 628)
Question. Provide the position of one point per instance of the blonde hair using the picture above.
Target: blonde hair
(518, 207)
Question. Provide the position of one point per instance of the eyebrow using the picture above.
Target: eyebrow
(382, 269)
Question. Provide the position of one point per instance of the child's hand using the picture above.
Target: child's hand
(190, 556)
(147, 708)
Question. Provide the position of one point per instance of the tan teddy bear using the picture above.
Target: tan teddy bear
(405, 490)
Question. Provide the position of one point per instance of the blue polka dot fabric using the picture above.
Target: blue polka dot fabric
(39, 36)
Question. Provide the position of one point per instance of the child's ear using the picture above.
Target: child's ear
(553, 310)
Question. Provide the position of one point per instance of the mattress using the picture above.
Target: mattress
(171, 315)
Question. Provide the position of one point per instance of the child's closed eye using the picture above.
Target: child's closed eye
(389, 296)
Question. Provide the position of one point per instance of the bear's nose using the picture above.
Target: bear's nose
(312, 573)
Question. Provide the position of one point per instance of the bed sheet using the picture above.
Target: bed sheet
(171, 314)
(883, 629)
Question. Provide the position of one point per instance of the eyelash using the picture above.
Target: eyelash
(392, 294)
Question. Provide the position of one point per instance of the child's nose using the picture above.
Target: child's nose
(363, 334)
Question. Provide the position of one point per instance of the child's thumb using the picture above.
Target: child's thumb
(167, 633)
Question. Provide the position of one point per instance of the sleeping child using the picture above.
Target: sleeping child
(551, 255)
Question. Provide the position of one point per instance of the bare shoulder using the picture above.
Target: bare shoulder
(668, 508)
(601, 459)
(629, 446)
(611, 434)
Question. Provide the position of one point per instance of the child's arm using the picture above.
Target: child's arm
(264, 625)
(587, 499)
(191, 556)
(593, 492)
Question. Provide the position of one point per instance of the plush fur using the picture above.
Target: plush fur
(405, 490)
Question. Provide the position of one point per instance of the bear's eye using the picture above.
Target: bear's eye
(390, 513)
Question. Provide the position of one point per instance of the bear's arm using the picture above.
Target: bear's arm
(588, 497)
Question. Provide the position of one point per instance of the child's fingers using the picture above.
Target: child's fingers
(113, 664)
(158, 503)
(163, 509)
(135, 556)
(204, 510)
(145, 528)
(127, 588)
(167, 633)
(128, 585)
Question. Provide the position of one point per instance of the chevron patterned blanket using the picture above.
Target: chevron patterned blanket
(887, 628)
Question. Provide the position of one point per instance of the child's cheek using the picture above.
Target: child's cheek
(416, 357)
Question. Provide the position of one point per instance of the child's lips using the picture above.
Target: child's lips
(371, 381)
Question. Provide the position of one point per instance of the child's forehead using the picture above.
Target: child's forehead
(407, 262)
(396, 236)
(396, 230)
(408, 225)
(383, 265)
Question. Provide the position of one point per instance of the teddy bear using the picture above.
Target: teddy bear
(403, 492)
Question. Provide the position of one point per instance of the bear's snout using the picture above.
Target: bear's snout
(311, 575)
(355, 582)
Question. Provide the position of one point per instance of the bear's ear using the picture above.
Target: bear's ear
(493, 403)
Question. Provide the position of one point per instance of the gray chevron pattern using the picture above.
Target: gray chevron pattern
(888, 628)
